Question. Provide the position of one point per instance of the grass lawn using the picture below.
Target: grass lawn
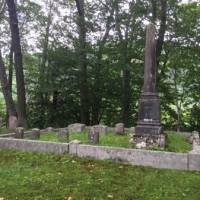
(105, 140)
(175, 142)
(33, 176)
(4, 130)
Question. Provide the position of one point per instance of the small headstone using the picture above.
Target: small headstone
(93, 136)
(119, 129)
(35, 134)
(78, 128)
(1, 121)
(63, 135)
(132, 129)
(111, 129)
(12, 121)
(19, 133)
(101, 128)
(49, 129)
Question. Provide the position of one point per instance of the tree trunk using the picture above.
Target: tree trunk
(126, 96)
(16, 44)
(84, 100)
(10, 78)
(97, 95)
(178, 106)
(10, 69)
(7, 96)
(125, 63)
(97, 100)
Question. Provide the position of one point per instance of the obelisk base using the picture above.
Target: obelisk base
(149, 131)
(149, 142)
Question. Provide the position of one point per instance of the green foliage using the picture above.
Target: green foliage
(46, 176)
(53, 96)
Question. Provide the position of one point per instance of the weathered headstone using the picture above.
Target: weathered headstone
(19, 133)
(49, 129)
(119, 129)
(12, 121)
(93, 136)
(78, 128)
(1, 121)
(63, 135)
(101, 128)
(148, 125)
(35, 134)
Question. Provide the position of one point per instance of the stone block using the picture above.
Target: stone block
(101, 129)
(154, 159)
(1, 121)
(132, 130)
(12, 121)
(35, 134)
(63, 135)
(194, 161)
(19, 133)
(78, 128)
(93, 136)
(119, 129)
(73, 146)
(35, 146)
(49, 129)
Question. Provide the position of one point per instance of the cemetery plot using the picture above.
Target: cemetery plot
(175, 142)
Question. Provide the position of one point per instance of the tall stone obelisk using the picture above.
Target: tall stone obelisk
(148, 124)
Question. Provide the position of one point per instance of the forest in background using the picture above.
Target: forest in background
(69, 61)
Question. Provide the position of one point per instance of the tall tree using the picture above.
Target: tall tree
(98, 72)
(10, 106)
(85, 118)
(18, 63)
(124, 33)
(6, 86)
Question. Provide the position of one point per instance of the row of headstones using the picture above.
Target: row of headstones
(118, 129)
(34, 134)
(63, 133)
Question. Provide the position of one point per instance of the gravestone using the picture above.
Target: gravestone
(119, 129)
(148, 127)
(12, 122)
(93, 136)
(63, 135)
(35, 134)
(101, 128)
(19, 133)
(1, 121)
(77, 127)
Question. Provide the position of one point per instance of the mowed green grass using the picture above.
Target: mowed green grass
(109, 139)
(175, 142)
(33, 176)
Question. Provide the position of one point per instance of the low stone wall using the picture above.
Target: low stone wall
(135, 157)
(31, 145)
(156, 159)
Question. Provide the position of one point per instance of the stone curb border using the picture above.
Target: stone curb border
(156, 159)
